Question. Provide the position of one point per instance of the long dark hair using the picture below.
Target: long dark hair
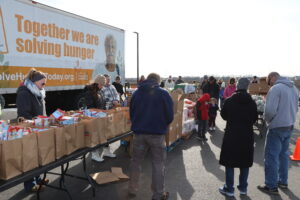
(94, 89)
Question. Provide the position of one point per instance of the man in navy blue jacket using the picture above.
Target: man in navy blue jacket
(151, 112)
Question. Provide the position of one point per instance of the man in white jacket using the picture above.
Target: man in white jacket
(169, 84)
(280, 114)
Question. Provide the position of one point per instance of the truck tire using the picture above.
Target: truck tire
(2, 101)
(80, 101)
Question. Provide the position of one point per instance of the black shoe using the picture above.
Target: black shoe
(268, 190)
(165, 196)
(199, 138)
(131, 194)
(282, 186)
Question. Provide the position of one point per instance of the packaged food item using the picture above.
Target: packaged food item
(42, 121)
(67, 120)
(14, 132)
(58, 114)
(93, 113)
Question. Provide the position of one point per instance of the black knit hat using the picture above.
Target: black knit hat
(243, 84)
(37, 77)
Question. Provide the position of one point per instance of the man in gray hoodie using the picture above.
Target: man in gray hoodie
(280, 114)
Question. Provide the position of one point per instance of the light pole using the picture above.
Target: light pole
(137, 57)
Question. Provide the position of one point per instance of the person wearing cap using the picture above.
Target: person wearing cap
(280, 115)
(31, 103)
(240, 113)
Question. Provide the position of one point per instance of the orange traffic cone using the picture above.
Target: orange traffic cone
(296, 155)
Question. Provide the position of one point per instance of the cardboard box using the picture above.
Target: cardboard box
(254, 88)
(174, 129)
(106, 177)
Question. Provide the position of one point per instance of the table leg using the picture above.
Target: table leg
(90, 180)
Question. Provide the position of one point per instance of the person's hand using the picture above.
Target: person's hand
(116, 103)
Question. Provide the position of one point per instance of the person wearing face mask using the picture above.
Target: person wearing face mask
(31, 103)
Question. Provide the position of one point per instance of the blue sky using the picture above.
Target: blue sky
(197, 37)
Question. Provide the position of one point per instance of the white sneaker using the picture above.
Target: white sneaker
(210, 129)
(96, 157)
(107, 153)
(213, 128)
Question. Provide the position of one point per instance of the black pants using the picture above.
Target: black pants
(212, 121)
(202, 127)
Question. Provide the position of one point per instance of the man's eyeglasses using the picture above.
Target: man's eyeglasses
(43, 84)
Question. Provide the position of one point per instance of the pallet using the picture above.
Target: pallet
(173, 145)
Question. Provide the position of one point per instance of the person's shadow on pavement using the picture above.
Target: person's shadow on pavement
(290, 194)
(210, 162)
(175, 165)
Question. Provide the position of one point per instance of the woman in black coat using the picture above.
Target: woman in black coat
(240, 112)
(31, 103)
(94, 97)
(31, 95)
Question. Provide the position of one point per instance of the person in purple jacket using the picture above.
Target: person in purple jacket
(151, 112)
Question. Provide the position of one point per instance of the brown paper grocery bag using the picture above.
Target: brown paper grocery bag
(60, 142)
(110, 129)
(46, 146)
(101, 124)
(79, 136)
(29, 152)
(70, 135)
(91, 136)
(10, 158)
(127, 120)
(119, 121)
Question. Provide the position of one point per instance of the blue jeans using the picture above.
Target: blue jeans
(244, 172)
(277, 157)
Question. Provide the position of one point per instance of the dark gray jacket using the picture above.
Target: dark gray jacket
(28, 105)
